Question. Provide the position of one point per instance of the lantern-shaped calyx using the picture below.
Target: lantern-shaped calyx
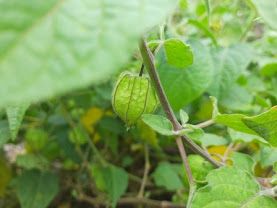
(133, 96)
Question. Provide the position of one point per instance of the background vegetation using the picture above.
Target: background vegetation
(63, 146)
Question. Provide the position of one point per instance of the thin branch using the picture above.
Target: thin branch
(205, 124)
(228, 150)
(132, 201)
(237, 146)
(146, 171)
(185, 160)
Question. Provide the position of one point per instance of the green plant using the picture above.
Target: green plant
(207, 68)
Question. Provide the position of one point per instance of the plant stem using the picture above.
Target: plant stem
(205, 123)
(131, 201)
(146, 171)
(150, 65)
(148, 61)
(185, 160)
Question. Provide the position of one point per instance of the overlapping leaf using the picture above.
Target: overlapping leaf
(183, 86)
(265, 125)
(36, 189)
(230, 187)
(229, 63)
(51, 47)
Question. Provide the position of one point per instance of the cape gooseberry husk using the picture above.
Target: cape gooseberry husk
(132, 97)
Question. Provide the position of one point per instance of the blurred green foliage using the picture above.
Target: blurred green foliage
(69, 149)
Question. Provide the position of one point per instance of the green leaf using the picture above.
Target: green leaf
(183, 4)
(229, 63)
(265, 125)
(268, 156)
(30, 161)
(183, 86)
(269, 69)
(159, 124)
(197, 132)
(273, 179)
(36, 139)
(230, 187)
(178, 53)
(116, 182)
(199, 167)
(261, 201)
(238, 98)
(215, 107)
(184, 117)
(4, 133)
(15, 115)
(268, 10)
(165, 176)
(153, 45)
(147, 134)
(36, 189)
(97, 173)
(212, 140)
(243, 162)
(205, 29)
(246, 138)
(234, 121)
(58, 46)
(5, 177)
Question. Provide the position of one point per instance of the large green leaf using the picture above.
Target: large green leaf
(237, 136)
(111, 179)
(178, 53)
(243, 162)
(212, 140)
(268, 156)
(268, 11)
(265, 125)
(116, 182)
(234, 121)
(237, 98)
(199, 167)
(30, 161)
(269, 69)
(166, 176)
(229, 64)
(183, 86)
(36, 189)
(230, 187)
(15, 115)
(51, 47)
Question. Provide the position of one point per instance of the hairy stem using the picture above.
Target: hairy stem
(148, 61)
